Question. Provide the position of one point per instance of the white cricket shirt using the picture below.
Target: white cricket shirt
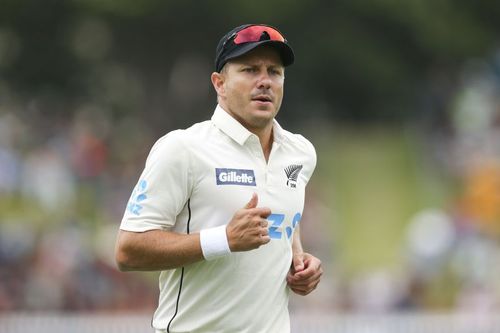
(198, 178)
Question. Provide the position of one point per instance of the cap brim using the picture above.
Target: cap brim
(285, 51)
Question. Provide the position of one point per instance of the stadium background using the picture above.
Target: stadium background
(401, 100)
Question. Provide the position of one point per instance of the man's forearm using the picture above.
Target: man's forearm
(156, 250)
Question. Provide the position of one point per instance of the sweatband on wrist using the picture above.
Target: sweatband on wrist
(214, 243)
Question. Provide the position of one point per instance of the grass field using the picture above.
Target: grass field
(375, 179)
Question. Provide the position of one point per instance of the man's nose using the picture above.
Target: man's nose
(264, 80)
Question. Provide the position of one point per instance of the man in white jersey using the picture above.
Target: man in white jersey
(218, 206)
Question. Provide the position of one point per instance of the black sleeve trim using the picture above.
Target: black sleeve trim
(182, 273)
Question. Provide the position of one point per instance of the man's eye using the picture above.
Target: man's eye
(249, 69)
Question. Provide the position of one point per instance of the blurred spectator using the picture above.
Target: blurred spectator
(377, 291)
(481, 198)
(430, 238)
(47, 179)
(10, 160)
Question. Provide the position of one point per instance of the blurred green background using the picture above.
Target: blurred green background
(400, 99)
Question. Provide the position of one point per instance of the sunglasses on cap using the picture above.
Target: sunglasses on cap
(245, 38)
(255, 33)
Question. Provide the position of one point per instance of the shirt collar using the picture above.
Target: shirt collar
(236, 131)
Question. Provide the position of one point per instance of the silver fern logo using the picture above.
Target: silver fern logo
(292, 173)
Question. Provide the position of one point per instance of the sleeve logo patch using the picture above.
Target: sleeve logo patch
(235, 177)
(134, 205)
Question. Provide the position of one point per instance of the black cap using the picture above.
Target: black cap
(227, 49)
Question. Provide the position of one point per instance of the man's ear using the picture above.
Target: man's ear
(218, 83)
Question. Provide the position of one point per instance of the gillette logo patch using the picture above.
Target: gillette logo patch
(235, 177)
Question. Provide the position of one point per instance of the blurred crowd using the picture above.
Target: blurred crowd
(454, 250)
(65, 181)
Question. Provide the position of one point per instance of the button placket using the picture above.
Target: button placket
(270, 164)
(253, 145)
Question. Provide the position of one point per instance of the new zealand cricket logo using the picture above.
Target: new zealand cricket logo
(292, 172)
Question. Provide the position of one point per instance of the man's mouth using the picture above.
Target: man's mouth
(262, 98)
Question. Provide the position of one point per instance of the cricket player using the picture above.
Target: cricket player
(218, 206)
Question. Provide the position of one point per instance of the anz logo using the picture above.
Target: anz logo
(276, 228)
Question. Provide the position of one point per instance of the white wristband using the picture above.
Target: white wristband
(214, 242)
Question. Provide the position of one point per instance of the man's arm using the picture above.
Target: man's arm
(160, 250)
(305, 271)
(156, 250)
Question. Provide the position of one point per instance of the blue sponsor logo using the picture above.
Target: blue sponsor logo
(235, 177)
(276, 228)
(134, 205)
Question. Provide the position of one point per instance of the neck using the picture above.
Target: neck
(265, 133)
(266, 138)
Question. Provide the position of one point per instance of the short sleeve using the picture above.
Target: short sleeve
(163, 187)
(313, 159)
(310, 152)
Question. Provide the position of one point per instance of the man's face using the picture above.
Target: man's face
(251, 87)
